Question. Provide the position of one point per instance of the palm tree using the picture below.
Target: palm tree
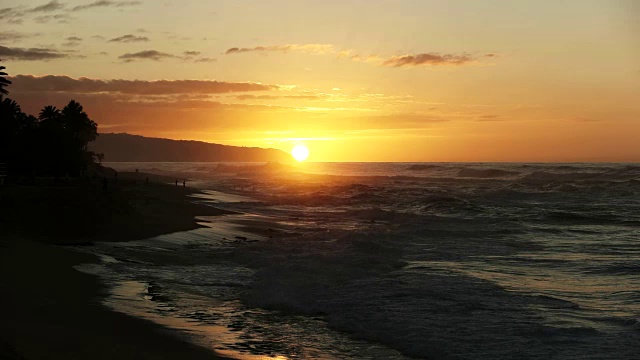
(49, 114)
(77, 123)
(3, 82)
(9, 108)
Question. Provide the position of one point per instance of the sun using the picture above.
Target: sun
(300, 152)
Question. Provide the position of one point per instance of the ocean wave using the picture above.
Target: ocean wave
(420, 167)
(572, 217)
(486, 173)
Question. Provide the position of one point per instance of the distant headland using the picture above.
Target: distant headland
(135, 148)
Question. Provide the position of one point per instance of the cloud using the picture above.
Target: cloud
(106, 3)
(60, 18)
(191, 53)
(275, 97)
(72, 41)
(32, 54)
(16, 15)
(429, 59)
(129, 38)
(308, 48)
(12, 15)
(146, 55)
(48, 7)
(489, 118)
(12, 36)
(53, 83)
(205, 60)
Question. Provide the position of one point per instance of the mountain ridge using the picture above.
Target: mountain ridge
(124, 147)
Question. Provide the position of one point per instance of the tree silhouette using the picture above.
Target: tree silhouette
(54, 143)
(49, 114)
(77, 123)
(3, 82)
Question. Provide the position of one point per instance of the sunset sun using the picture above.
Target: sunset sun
(300, 152)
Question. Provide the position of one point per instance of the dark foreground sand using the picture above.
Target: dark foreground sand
(48, 310)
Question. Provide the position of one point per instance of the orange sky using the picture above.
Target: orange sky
(353, 80)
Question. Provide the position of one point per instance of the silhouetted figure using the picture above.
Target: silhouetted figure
(104, 183)
(115, 175)
(184, 183)
(176, 182)
(146, 181)
(136, 171)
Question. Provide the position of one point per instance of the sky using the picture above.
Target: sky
(375, 80)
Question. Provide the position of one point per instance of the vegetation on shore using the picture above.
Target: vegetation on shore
(55, 143)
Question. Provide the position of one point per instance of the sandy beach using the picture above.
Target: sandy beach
(52, 311)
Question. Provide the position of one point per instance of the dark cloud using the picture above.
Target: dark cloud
(51, 83)
(48, 7)
(105, 3)
(191, 53)
(432, 59)
(31, 54)
(74, 38)
(130, 38)
(146, 55)
(310, 48)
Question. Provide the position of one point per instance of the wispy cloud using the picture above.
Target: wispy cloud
(106, 3)
(146, 55)
(52, 83)
(205, 60)
(130, 38)
(31, 54)
(489, 118)
(429, 59)
(48, 7)
(60, 18)
(156, 55)
(308, 48)
(12, 15)
(12, 36)
(16, 15)
(408, 60)
(276, 97)
(72, 41)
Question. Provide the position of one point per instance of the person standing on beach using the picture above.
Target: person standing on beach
(184, 183)
(176, 182)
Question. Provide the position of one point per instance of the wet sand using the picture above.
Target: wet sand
(50, 310)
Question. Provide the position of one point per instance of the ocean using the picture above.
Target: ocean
(394, 261)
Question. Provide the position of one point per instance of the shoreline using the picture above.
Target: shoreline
(50, 310)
